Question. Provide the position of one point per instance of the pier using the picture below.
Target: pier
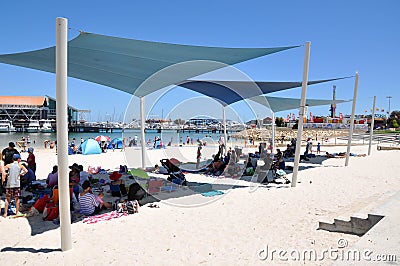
(95, 129)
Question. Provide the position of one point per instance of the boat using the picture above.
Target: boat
(5, 126)
(46, 126)
(33, 127)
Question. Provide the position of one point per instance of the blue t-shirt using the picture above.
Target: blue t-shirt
(30, 176)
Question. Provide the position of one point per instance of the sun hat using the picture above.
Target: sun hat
(114, 176)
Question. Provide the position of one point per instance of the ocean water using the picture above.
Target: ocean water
(37, 139)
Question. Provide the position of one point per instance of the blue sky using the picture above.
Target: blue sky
(345, 36)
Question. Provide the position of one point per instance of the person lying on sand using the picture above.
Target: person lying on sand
(343, 155)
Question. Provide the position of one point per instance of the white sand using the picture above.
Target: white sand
(228, 229)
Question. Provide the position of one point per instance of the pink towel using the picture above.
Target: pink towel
(103, 217)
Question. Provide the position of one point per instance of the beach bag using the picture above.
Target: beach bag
(12, 210)
(280, 173)
(136, 192)
(40, 203)
(132, 206)
(32, 212)
(121, 207)
(55, 197)
(249, 171)
(123, 169)
(50, 212)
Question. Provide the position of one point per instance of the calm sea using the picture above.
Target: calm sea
(37, 139)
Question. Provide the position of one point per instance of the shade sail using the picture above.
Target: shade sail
(228, 92)
(277, 104)
(124, 64)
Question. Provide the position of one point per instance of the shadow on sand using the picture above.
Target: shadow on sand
(31, 250)
(39, 226)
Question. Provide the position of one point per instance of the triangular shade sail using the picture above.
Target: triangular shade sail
(228, 92)
(124, 64)
(277, 104)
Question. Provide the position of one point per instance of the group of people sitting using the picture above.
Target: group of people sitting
(229, 164)
(269, 163)
(290, 149)
(80, 190)
(220, 162)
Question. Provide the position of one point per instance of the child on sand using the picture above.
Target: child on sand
(105, 204)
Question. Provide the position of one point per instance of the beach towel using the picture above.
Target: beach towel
(103, 217)
(138, 173)
(212, 193)
(170, 188)
(201, 188)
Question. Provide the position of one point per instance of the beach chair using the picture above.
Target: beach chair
(154, 186)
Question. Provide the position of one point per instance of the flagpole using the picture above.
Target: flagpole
(371, 131)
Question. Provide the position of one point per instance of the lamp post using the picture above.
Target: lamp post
(389, 97)
(388, 116)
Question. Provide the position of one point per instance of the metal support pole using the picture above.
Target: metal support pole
(371, 131)
(143, 136)
(353, 110)
(301, 115)
(224, 123)
(273, 132)
(62, 131)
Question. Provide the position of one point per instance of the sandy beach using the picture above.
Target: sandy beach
(232, 228)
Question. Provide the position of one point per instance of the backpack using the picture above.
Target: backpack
(120, 207)
(249, 171)
(136, 192)
(123, 169)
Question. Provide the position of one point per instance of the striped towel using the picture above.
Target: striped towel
(103, 217)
